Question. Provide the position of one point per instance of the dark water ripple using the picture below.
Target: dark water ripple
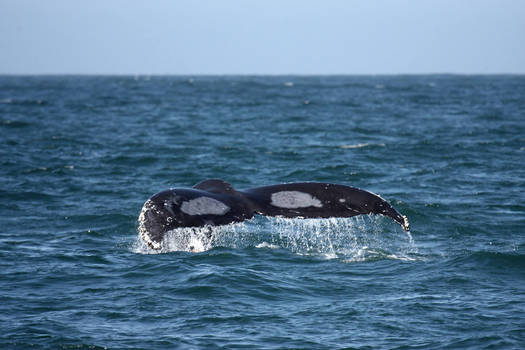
(80, 155)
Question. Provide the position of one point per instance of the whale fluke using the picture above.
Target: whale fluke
(215, 202)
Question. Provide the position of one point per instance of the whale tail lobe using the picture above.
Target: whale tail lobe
(320, 200)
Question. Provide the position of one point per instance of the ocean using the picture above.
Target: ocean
(80, 155)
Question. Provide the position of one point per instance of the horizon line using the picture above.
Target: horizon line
(256, 74)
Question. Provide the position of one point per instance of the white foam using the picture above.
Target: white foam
(267, 245)
(187, 239)
(361, 145)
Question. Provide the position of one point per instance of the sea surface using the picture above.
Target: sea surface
(79, 155)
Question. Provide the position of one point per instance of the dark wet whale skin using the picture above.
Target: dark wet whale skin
(215, 202)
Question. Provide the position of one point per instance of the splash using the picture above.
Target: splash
(361, 238)
(355, 239)
(200, 239)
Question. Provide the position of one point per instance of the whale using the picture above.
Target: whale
(215, 202)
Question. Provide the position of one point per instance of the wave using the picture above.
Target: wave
(361, 145)
(23, 102)
(8, 123)
(493, 261)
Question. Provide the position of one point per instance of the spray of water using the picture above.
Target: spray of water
(361, 238)
(357, 239)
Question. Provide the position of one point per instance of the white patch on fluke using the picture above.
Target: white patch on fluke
(294, 199)
(204, 206)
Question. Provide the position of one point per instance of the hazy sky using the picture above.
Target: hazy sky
(262, 37)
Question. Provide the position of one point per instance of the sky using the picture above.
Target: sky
(262, 37)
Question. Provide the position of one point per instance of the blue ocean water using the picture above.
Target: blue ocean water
(80, 155)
